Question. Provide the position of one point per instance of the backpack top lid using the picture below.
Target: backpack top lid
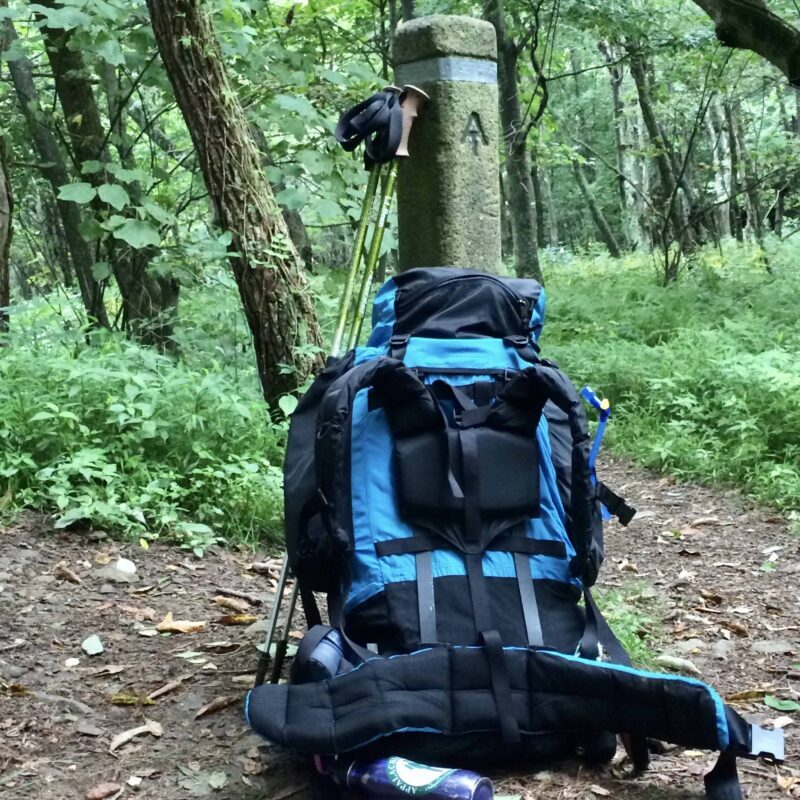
(455, 303)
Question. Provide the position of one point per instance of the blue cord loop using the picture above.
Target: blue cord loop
(603, 415)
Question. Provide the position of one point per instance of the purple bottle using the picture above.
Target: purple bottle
(398, 777)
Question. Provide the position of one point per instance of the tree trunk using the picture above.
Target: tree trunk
(518, 166)
(616, 73)
(752, 201)
(538, 204)
(54, 170)
(6, 209)
(604, 229)
(267, 269)
(407, 7)
(506, 234)
(669, 180)
(553, 238)
(721, 160)
(146, 307)
(737, 219)
(750, 25)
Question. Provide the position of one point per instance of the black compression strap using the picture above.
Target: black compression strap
(506, 543)
(527, 594)
(722, 783)
(310, 607)
(481, 609)
(425, 598)
(501, 687)
(470, 466)
(615, 504)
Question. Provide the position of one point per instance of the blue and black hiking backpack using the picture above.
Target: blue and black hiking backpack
(439, 489)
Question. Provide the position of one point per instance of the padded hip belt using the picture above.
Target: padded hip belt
(448, 690)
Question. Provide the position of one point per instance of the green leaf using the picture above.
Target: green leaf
(64, 18)
(77, 192)
(114, 195)
(296, 103)
(91, 167)
(287, 404)
(157, 212)
(292, 198)
(781, 705)
(101, 270)
(137, 234)
(41, 416)
(111, 52)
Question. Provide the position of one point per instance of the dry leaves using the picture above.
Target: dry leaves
(102, 791)
(64, 573)
(233, 603)
(236, 619)
(169, 687)
(151, 727)
(170, 625)
(218, 704)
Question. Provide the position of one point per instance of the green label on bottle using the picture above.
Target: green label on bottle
(415, 779)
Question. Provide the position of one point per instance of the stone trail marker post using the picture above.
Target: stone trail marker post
(448, 193)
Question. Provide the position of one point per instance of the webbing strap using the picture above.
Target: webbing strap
(508, 543)
(501, 687)
(481, 608)
(470, 466)
(722, 783)
(615, 504)
(527, 594)
(425, 598)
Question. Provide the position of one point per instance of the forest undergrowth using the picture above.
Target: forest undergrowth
(702, 376)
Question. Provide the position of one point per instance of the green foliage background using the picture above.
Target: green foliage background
(702, 376)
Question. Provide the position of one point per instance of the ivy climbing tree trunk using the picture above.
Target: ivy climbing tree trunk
(6, 208)
(266, 266)
(603, 228)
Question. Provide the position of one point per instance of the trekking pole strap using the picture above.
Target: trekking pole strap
(378, 122)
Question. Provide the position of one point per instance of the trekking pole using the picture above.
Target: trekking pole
(411, 101)
(264, 657)
(378, 124)
(283, 644)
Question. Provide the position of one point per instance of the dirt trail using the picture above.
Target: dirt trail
(721, 574)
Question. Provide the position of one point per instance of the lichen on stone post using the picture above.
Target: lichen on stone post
(448, 194)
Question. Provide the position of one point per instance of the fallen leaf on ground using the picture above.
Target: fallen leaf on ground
(747, 694)
(127, 699)
(126, 565)
(145, 614)
(102, 791)
(169, 687)
(170, 625)
(87, 728)
(153, 728)
(599, 790)
(218, 704)
(236, 619)
(92, 645)
(241, 606)
(218, 779)
(72, 662)
(134, 781)
(108, 669)
(15, 689)
(781, 705)
(220, 647)
(781, 722)
(677, 664)
(736, 627)
(63, 572)
(787, 782)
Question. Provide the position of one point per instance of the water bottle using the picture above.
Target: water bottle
(398, 777)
